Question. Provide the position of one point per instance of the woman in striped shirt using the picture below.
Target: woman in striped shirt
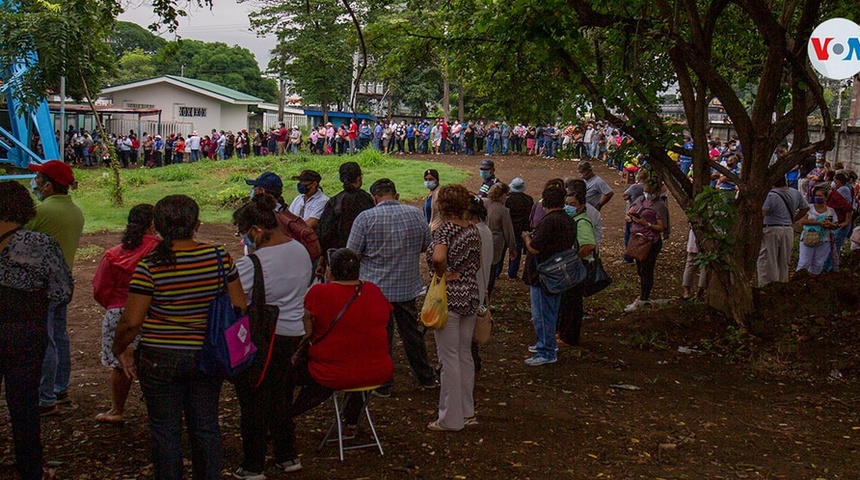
(168, 304)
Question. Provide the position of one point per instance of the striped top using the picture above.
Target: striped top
(181, 295)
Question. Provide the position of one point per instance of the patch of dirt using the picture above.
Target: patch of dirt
(728, 405)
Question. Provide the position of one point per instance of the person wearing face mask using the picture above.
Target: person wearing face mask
(431, 210)
(286, 267)
(59, 217)
(570, 310)
(649, 216)
(818, 224)
(599, 193)
(841, 226)
(488, 174)
(311, 201)
(817, 175)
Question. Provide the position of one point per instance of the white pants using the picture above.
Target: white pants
(813, 258)
(454, 349)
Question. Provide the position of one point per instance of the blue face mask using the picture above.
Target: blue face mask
(430, 184)
(302, 188)
(570, 210)
(818, 200)
(34, 187)
(252, 193)
(248, 242)
(485, 174)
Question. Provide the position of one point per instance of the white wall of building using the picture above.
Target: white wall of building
(178, 105)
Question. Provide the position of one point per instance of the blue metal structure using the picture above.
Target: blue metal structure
(25, 122)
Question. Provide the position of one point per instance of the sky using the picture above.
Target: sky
(227, 22)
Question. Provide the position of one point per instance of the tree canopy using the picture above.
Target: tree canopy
(616, 58)
(231, 66)
(315, 47)
(128, 36)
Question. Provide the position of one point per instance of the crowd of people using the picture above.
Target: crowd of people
(595, 140)
(157, 284)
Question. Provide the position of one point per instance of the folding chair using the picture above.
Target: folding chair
(338, 421)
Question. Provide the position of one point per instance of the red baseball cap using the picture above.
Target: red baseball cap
(56, 170)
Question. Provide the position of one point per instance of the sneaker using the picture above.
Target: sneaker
(538, 360)
(48, 410)
(533, 348)
(633, 306)
(63, 397)
(242, 473)
(470, 421)
(430, 385)
(288, 466)
(382, 392)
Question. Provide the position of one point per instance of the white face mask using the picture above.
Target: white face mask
(649, 196)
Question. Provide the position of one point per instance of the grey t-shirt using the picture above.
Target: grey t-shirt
(633, 193)
(596, 188)
(777, 213)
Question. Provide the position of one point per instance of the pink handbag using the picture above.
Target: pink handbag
(239, 344)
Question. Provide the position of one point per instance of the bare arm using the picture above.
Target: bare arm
(237, 295)
(129, 326)
(440, 259)
(308, 320)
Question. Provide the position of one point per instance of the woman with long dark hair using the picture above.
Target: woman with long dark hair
(110, 289)
(168, 304)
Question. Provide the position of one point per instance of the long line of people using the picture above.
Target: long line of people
(156, 290)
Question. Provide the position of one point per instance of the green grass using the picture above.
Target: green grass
(219, 186)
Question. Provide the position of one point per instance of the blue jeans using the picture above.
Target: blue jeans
(544, 317)
(57, 364)
(173, 385)
(506, 142)
(514, 265)
(491, 143)
(195, 155)
(222, 154)
(839, 237)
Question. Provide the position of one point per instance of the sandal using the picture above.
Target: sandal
(110, 419)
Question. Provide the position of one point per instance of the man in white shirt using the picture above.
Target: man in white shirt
(192, 144)
(310, 202)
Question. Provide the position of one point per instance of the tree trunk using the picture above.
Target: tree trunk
(446, 95)
(731, 287)
(325, 109)
(282, 98)
(116, 190)
(461, 103)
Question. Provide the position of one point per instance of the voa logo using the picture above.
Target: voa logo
(834, 48)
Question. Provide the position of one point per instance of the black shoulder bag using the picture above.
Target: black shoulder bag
(263, 322)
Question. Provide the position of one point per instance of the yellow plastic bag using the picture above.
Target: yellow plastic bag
(434, 313)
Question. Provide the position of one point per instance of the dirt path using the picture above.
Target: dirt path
(700, 415)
